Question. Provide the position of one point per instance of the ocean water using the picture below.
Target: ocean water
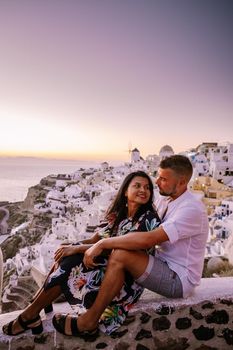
(20, 173)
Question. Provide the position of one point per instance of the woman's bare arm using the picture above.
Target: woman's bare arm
(92, 240)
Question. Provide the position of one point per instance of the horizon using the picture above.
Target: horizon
(59, 159)
(91, 80)
(51, 157)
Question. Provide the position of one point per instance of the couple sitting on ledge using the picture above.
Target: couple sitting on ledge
(137, 247)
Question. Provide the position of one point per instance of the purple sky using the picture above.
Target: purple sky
(82, 79)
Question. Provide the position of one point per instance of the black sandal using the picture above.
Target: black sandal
(7, 328)
(48, 308)
(59, 325)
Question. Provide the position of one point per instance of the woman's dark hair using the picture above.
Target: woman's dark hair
(119, 205)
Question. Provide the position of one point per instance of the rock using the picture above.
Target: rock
(208, 305)
(206, 347)
(129, 319)
(143, 333)
(204, 333)
(165, 310)
(171, 344)
(197, 315)
(161, 323)
(101, 345)
(228, 335)
(119, 334)
(218, 317)
(226, 302)
(215, 264)
(183, 323)
(145, 317)
(122, 346)
(141, 347)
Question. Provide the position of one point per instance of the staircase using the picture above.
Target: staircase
(19, 296)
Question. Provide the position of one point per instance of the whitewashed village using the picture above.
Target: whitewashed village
(76, 204)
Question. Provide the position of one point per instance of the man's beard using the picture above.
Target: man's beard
(167, 194)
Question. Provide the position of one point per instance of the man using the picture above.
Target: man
(176, 268)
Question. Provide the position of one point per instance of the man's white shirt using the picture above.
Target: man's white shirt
(186, 225)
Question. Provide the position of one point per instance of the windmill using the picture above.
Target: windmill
(129, 150)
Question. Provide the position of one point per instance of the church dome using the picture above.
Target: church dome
(166, 149)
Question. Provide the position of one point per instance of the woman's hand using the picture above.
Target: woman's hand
(90, 255)
(63, 251)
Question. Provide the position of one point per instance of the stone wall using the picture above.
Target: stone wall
(201, 322)
(1, 276)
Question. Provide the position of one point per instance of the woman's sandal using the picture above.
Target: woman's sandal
(59, 323)
(7, 328)
(48, 308)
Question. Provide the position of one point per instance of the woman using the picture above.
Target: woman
(132, 210)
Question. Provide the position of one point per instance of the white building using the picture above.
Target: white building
(200, 165)
(135, 155)
(104, 166)
(103, 201)
(64, 229)
(19, 228)
(221, 163)
(47, 251)
(21, 261)
(229, 242)
(206, 147)
(72, 191)
(165, 151)
(152, 162)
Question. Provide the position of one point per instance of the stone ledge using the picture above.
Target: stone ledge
(201, 322)
(209, 289)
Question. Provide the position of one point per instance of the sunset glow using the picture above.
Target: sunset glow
(83, 79)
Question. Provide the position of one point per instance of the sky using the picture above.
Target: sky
(93, 79)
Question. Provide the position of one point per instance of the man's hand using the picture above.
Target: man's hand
(90, 255)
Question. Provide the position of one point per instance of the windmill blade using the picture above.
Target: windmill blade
(130, 147)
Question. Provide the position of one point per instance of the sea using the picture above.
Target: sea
(17, 174)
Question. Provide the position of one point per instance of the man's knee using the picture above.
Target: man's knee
(119, 256)
(134, 262)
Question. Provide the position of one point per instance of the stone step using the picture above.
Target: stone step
(15, 297)
(8, 306)
(22, 291)
(28, 284)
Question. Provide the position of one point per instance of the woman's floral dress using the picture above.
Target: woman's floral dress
(81, 285)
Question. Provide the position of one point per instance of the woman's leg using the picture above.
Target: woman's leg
(50, 291)
(44, 298)
(120, 261)
(33, 310)
(53, 268)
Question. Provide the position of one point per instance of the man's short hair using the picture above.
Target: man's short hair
(181, 165)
